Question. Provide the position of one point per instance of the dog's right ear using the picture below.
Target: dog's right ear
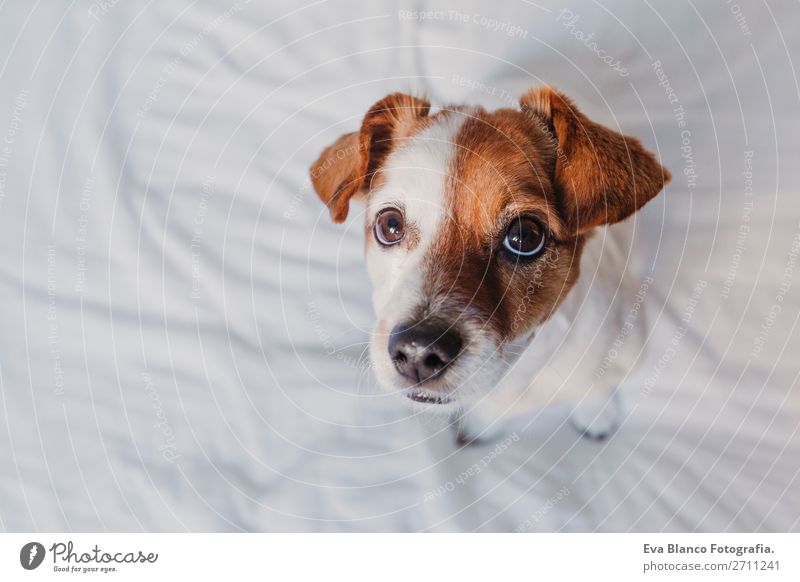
(347, 166)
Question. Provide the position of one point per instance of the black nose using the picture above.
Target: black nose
(422, 351)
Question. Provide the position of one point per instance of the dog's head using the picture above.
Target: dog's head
(475, 222)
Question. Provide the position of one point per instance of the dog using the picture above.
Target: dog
(497, 284)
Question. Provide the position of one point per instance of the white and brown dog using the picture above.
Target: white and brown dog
(478, 224)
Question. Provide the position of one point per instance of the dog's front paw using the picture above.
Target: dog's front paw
(479, 426)
(469, 435)
(463, 439)
(597, 418)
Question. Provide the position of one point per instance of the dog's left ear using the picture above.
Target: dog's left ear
(347, 166)
(602, 176)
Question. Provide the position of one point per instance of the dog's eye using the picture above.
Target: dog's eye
(525, 238)
(389, 227)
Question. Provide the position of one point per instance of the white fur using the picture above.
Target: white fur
(415, 180)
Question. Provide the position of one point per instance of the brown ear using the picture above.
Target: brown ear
(602, 176)
(348, 165)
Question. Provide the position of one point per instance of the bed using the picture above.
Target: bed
(184, 329)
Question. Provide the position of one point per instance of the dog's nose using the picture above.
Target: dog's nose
(422, 351)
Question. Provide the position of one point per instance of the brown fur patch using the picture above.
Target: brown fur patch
(350, 164)
(501, 169)
(602, 176)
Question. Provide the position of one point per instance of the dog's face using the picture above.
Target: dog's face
(475, 222)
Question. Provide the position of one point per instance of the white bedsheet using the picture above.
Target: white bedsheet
(183, 328)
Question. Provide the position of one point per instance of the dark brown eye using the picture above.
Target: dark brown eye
(525, 238)
(389, 227)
